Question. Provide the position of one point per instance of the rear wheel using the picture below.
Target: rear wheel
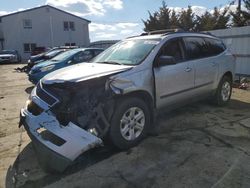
(224, 91)
(130, 122)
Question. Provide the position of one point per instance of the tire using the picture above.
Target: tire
(223, 92)
(124, 121)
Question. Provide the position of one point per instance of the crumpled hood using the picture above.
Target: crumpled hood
(83, 71)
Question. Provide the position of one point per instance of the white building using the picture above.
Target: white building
(43, 26)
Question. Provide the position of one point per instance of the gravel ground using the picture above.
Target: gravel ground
(199, 145)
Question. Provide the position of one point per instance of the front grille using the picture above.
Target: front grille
(44, 95)
(34, 108)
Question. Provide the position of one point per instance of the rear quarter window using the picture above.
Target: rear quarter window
(215, 46)
(199, 47)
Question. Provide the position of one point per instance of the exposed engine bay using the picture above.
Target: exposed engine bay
(87, 104)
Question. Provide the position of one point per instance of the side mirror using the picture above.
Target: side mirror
(165, 60)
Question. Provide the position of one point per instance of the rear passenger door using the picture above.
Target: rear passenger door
(173, 83)
(206, 67)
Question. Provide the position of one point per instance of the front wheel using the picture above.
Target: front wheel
(224, 91)
(130, 122)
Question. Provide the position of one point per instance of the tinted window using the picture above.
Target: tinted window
(196, 47)
(87, 55)
(65, 55)
(53, 53)
(96, 52)
(173, 48)
(83, 56)
(215, 46)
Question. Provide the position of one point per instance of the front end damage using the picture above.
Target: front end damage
(57, 145)
(66, 119)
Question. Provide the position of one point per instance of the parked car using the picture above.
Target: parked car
(117, 95)
(44, 56)
(64, 59)
(9, 56)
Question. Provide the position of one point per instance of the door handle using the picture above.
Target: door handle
(188, 69)
(213, 64)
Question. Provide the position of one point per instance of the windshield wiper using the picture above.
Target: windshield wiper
(110, 62)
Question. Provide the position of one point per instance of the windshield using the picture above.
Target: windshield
(7, 52)
(65, 55)
(53, 53)
(128, 52)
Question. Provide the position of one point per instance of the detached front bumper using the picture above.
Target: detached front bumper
(55, 144)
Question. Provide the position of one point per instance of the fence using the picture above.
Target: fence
(238, 41)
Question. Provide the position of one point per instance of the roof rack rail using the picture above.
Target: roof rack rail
(164, 31)
(207, 32)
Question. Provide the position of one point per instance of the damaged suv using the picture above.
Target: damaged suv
(117, 95)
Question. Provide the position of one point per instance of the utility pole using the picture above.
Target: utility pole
(239, 5)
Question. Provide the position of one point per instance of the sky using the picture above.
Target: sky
(112, 19)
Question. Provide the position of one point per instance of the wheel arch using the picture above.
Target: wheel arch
(146, 97)
(229, 74)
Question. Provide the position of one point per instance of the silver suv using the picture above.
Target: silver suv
(117, 95)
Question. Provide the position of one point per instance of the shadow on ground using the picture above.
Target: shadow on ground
(26, 166)
(186, 140)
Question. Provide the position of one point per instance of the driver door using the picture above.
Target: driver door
(173, 83)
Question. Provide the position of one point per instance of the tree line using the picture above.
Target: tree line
(167, 18)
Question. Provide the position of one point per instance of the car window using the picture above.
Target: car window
(96, 52)
(214, 46)
(53, 53)
(65, 55)
(196, 47)
(173, 48)
(8, 52)
(83, 56)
